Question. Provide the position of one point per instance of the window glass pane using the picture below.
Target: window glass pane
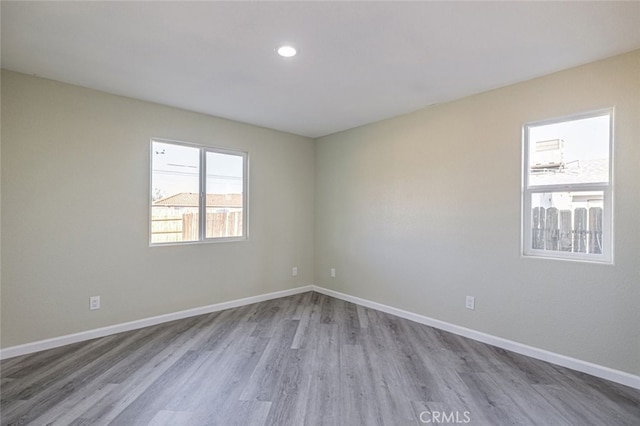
(570, 152)
(567, 221)
(224, 189)
(175, 183)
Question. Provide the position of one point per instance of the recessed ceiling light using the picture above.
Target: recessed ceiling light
(286, 51)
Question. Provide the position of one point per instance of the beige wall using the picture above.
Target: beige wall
(393, 203)
(75, 185)
(397, 216)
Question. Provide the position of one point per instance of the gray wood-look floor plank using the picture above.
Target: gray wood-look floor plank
(307, 359)
(290, 393)
(163, 356)
(302, 301)
(363, 319)
(302, 328)
(356, 385)
(73, 408)
(213, 403)
(494, 402)
(451, 390)
(534, 406)
(324, 398)
(211, 384)
(44, 394)
(170, 418)
(46, 367)
(393, 405)
(152, 400)
(273, 362)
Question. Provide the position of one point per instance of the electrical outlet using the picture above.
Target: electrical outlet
(294, 271)
(333, 272)
(94, 303)
(470, 302)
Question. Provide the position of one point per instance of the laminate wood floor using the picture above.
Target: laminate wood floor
(307, 359)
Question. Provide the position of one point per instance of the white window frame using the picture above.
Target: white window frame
(204, 149)
(606, 187)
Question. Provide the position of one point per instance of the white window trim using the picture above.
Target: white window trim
(203, 175)
(608, 193)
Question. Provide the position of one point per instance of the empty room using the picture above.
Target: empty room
(319, 213)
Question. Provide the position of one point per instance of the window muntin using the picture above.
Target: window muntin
(189, 182)
(567, 190)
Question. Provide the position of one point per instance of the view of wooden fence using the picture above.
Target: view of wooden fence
(554, 229)
(185, 227)
(579, 231)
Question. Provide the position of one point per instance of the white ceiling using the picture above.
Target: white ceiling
(358, 62)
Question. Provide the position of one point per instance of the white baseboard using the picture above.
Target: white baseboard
(541, 354)
(55, 342)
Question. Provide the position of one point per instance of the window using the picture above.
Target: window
(567, 188)
(190, 182)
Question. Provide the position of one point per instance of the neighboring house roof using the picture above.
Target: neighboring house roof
(190, 199)
(583, 171)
